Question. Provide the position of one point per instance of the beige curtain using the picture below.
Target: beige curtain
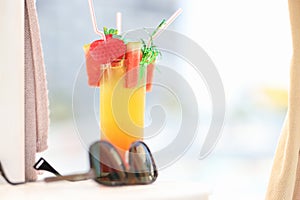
(284, 182)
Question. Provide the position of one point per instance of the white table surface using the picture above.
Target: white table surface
(160, 190)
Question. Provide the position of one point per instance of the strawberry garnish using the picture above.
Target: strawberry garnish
(100, 52)
(95, 44)
(109, 36)
(105, 52)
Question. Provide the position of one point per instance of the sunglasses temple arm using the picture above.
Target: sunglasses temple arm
(42, 164)
(75, 177)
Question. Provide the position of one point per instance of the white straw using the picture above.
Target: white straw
(119, 22)
(168, 22)
(93, 16)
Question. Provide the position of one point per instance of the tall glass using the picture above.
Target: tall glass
(122, 101)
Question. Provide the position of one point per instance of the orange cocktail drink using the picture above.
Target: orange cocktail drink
(122, 100)
(124, 73)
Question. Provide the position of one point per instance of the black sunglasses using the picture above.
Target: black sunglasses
(108, 168)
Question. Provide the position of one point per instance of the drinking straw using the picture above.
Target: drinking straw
(119, 22)
(168, 22)
(93, 16)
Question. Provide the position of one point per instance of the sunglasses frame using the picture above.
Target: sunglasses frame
(131, 177)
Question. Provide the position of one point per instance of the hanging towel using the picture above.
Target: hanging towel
(284, 182)
(36, 93)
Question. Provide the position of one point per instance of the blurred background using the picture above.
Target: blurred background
(250, 44)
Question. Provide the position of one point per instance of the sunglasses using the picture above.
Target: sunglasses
(108, 168)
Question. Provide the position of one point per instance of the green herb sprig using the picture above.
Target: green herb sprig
(149, 50)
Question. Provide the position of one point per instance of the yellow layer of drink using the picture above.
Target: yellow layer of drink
(121, 108)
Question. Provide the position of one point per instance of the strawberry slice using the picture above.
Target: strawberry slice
(150, 74)
(102, 52)
(105, 52)
(132, 63)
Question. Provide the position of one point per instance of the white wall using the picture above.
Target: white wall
(12, 88)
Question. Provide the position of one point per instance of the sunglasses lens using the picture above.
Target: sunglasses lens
(142, 163)
(107, 163)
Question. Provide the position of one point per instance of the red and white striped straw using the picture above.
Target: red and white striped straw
(168, 22)
(93, 16)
